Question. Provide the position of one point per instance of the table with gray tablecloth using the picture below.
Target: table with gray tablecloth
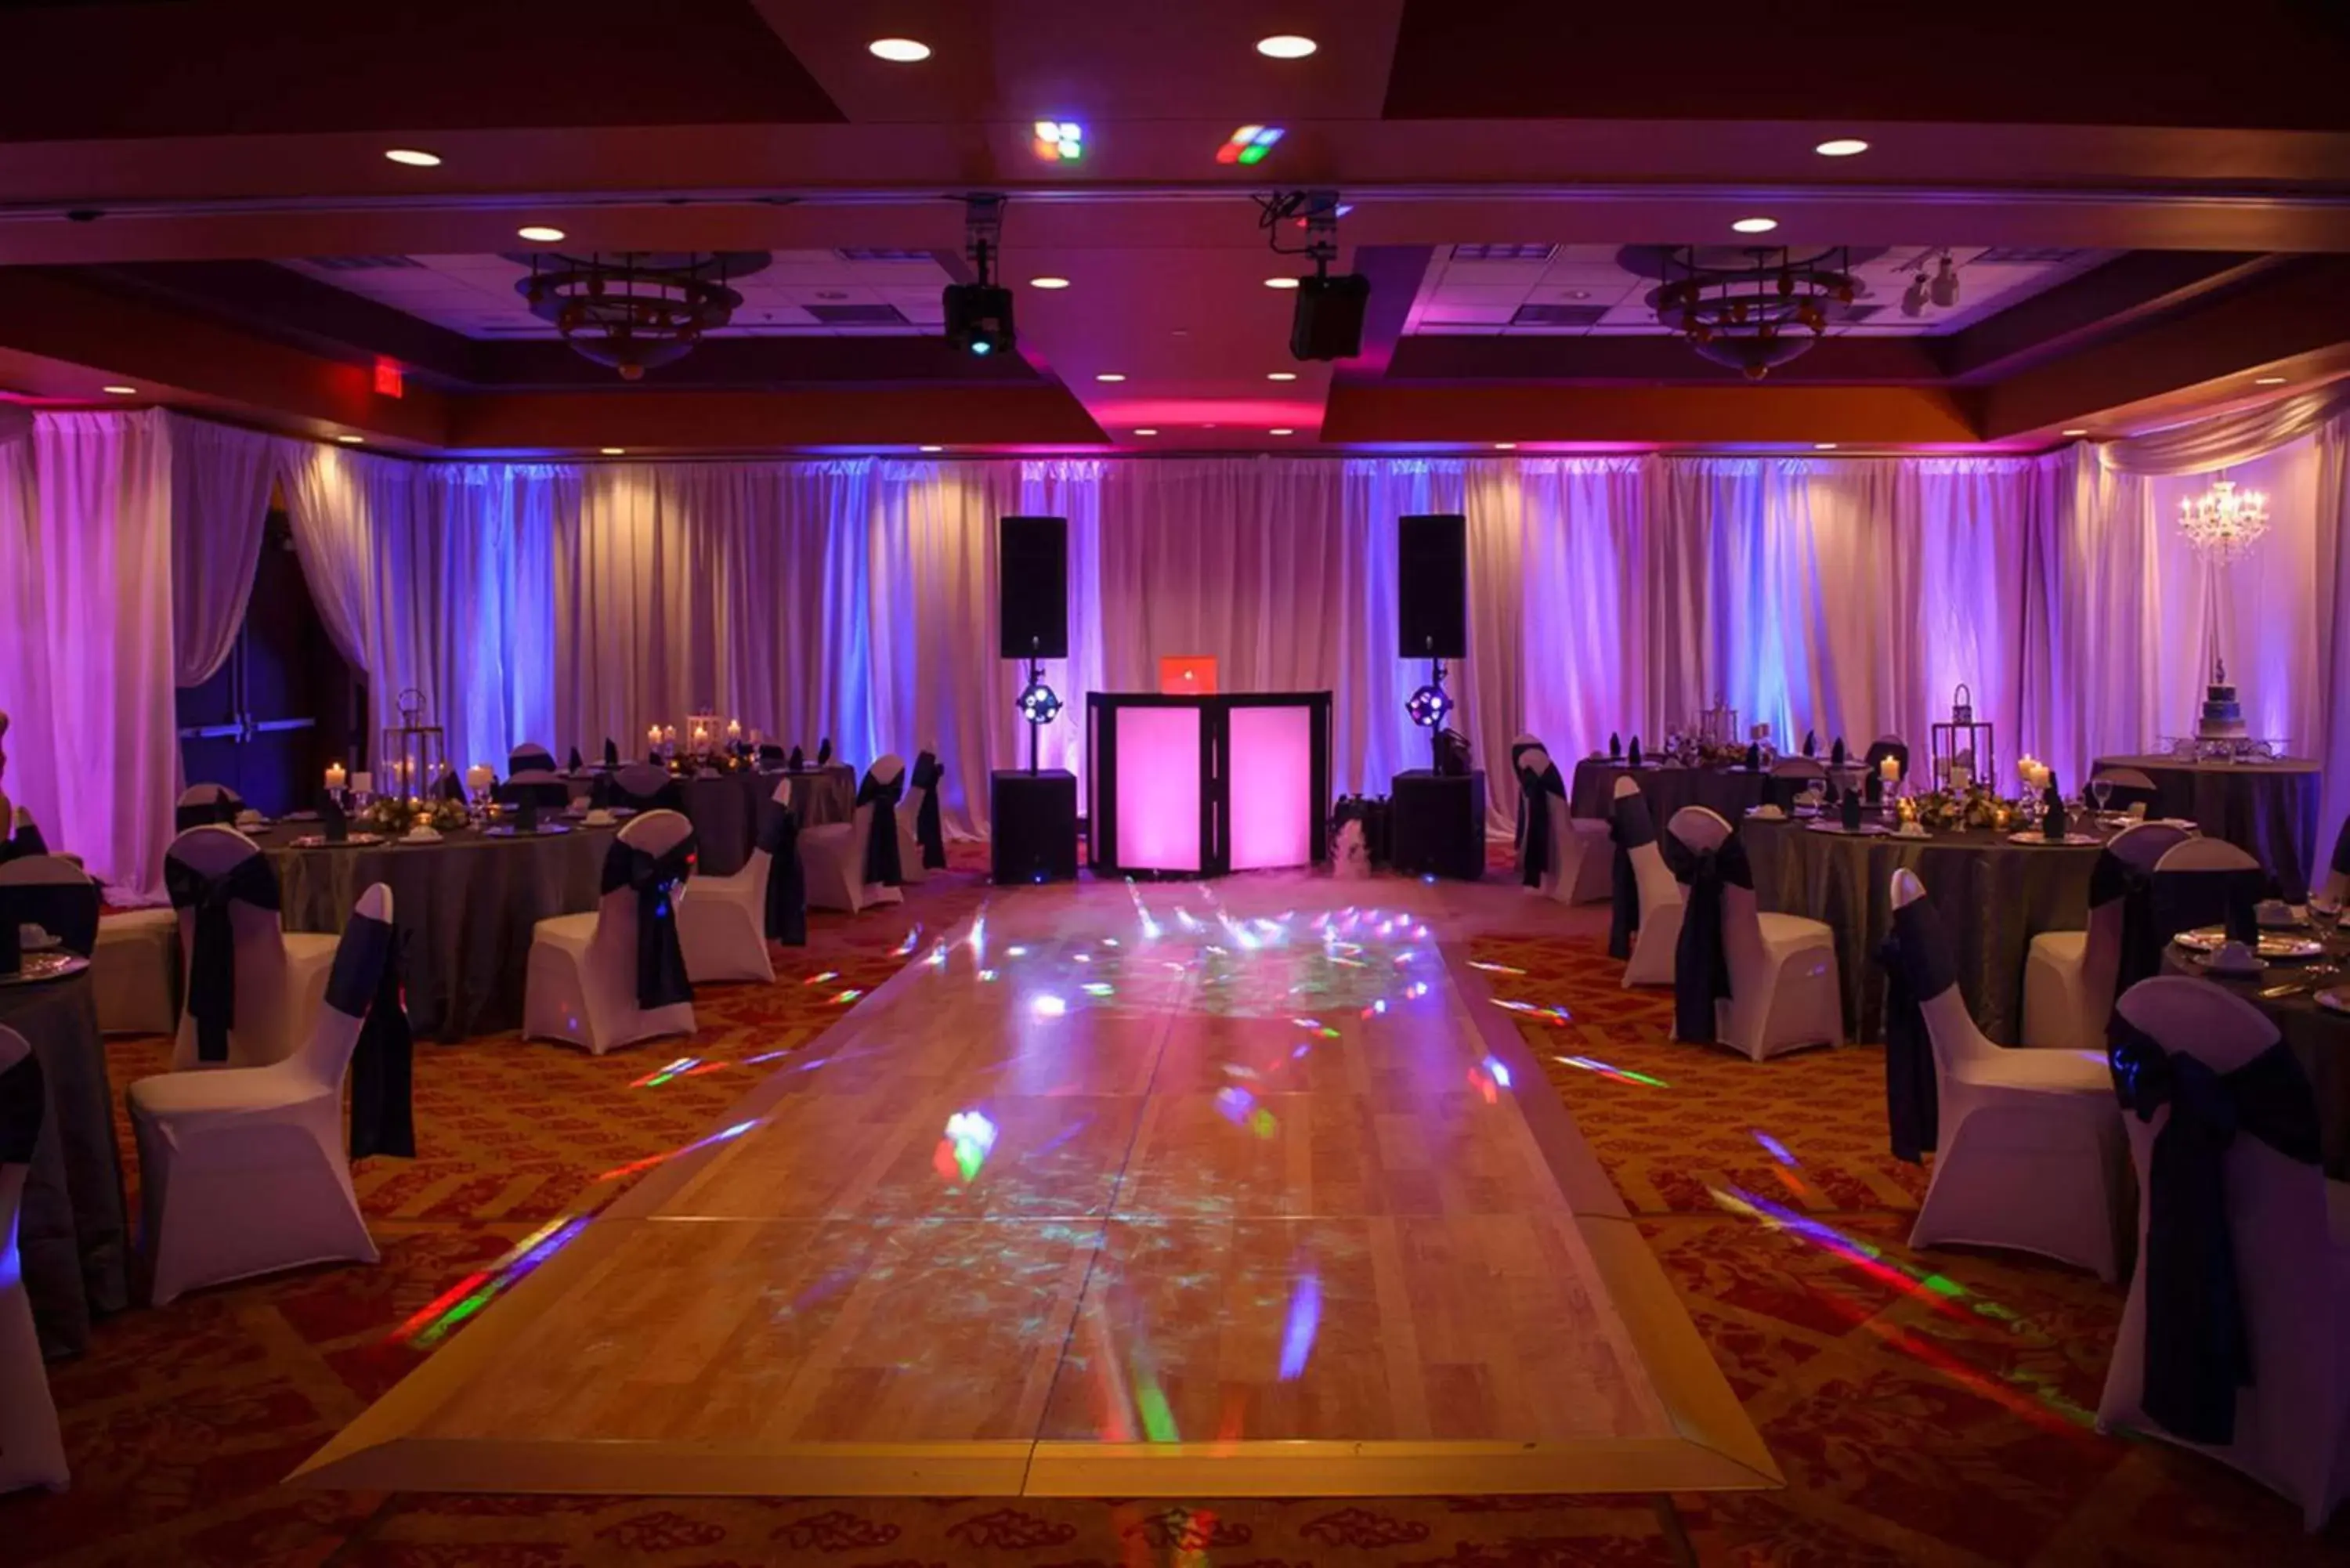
(725, 807)
(1995, 896)
(2268, 809)
(73, 1236)
(1729, 791)
(2318, 1038)
(464, 908)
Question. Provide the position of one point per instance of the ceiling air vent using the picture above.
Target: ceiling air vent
(1558, 316)
(857, 314)
(365, 263)
(881, 254)
(1502, 253)
(2024, 255)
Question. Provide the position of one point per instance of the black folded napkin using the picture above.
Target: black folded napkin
(453, 788)
(1829, 792)
(823, 752)
(599, 793)
(1872, 787)
(331, 817)
(1836, 754)
(1851, 810)
(1633, 756)
(1614, 744)
(797, 761)
(526, 813)
(1753, 757)
(578, 763)
(611, 753)
(2053, 825)
(1811, 743)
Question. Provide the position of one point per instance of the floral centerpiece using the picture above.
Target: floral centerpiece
(395, 816)
(1695, 751)
(1946, 810)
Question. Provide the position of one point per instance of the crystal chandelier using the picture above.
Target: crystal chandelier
(2223, 523)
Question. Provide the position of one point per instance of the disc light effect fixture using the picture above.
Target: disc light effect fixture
(1039, 703)
(1249, 145)
(1429, 706)
(2224, 522)
(1059, 141)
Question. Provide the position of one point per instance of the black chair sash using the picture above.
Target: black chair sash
(1920, 964)
(452, 787)
(1811, 743)
(1702, 959)
(1533, 837)
(786, 912)
(1518, 749)
(212, 965)
(2184, 901)
(882, 866)
(207, 812)
(27, 840)
(2116, 880)
(611, 753)
(770, 753)
(823, 752)
(577, 764)
(797, 761)
(66, 911)
(927, 831)
(670, 796)
(530, 759)
(2197, 1350)
(547, 795)
(661, 961)
(333, 820)
(599, 791)
(24, 1099)
(366, 983)
(1629, 826)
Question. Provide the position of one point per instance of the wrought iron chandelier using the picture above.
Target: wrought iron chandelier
(634, 309)
(2224, 522)
(1753, 308)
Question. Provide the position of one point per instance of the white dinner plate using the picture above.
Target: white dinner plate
(2273, 944)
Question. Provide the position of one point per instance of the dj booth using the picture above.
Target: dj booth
(1197, 785)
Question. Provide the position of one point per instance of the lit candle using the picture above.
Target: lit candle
(335, 778)
(652, 734)
(1889, 770)
(733, 729)
(669, 734)
(480, 778)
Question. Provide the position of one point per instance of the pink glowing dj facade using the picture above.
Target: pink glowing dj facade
(1189, 786)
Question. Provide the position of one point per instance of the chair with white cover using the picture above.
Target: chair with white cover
(1761, 984)
(135, 971)
(1647, 926)
(541, 789)
(2225, 1137)
(850, 865)
(252, 988)
(1526, 740)
(2071, 978)
(616, 975)
(529, 757)
(247, 1171)
(2127, 787)
(2029, 1154)
(921, 840)
(1791, 776)
(1560, 856)
(724, 926)
(204, 803)
(646, 786)
(32, 1451)
(2207, 882)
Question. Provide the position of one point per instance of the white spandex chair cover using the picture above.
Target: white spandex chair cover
(1660, 935)
(281, 975)
(581, 985)
(135, 972)
(2069, 976)
(724, 927)
(639, 784)
(248, 1171)
(529, 757)
(2028, 1143)
(1783, 990)
(2292, 1234)
(32, 1452)
(833, 856)
(201, 802)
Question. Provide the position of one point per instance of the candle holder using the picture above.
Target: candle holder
(1961, 743)
(412, 751)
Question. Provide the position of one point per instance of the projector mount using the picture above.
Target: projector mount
(1316, 212)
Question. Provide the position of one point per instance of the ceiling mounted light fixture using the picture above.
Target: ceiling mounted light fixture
(1824, 446)
(415, 157)
(1752, 308)
(979, 313)
(934, 449)
(2224, 522)
(119, 391)
(350, 439)
(1048, 283)
(615, 450)
(1506, 446)
(1280, 430)
(1281, 282)
(636, 309)
(1110, 376)
(2269, 380)
(1842, 147)
(1755, 225)
(1286, 47)
(1281, 375)
(1249, 145)
(1059, 141)
(899, 51)
(1145, 429)
(2074, 431)
(539, 234)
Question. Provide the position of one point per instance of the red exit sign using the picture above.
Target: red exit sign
(388, 379)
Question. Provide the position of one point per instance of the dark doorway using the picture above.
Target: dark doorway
(284, 705)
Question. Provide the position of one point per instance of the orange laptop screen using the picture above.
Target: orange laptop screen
(1187, 675)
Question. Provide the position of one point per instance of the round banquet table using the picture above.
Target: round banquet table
(2269, 809)
(724, 808)
(1729, 791)
(72, 1238)
(1994, 896)
(465, 907)
(2318, 1038)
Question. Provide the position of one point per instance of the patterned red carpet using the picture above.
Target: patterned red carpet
(1926, 1409)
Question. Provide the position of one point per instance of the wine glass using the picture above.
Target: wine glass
(2103, 788)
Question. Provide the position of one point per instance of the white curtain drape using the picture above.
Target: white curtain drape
(220, 480)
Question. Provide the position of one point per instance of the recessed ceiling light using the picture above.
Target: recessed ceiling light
(1110, 376)
(539, 233)
(1281, 282)
(1281, 375)
(1286, 47)
(1048, 283)
(1755, 225)
(2073, 433)
(2269, 380)
(350, 439)
(899, 51)
(1824, 446)
(119, 391)
(415, 157)
(1280, 430)
(1145, 429)
(1506, 446)
(615, 452)
(1842, 147)
(934, 449)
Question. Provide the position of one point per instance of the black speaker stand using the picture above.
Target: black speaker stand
(1035, 741)
(1435, 731)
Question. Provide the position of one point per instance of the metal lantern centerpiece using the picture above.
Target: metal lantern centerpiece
(703, 729)
(1718, 726)
(1962, 750)
(412, 757)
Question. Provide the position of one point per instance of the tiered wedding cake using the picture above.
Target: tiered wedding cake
(2223, 716)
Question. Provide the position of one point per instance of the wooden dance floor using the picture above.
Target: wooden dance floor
(1209, 1190)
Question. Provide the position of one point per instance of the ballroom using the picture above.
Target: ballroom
(1039, 785)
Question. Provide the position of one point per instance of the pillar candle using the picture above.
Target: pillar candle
(1889, 770)
(336, 776)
